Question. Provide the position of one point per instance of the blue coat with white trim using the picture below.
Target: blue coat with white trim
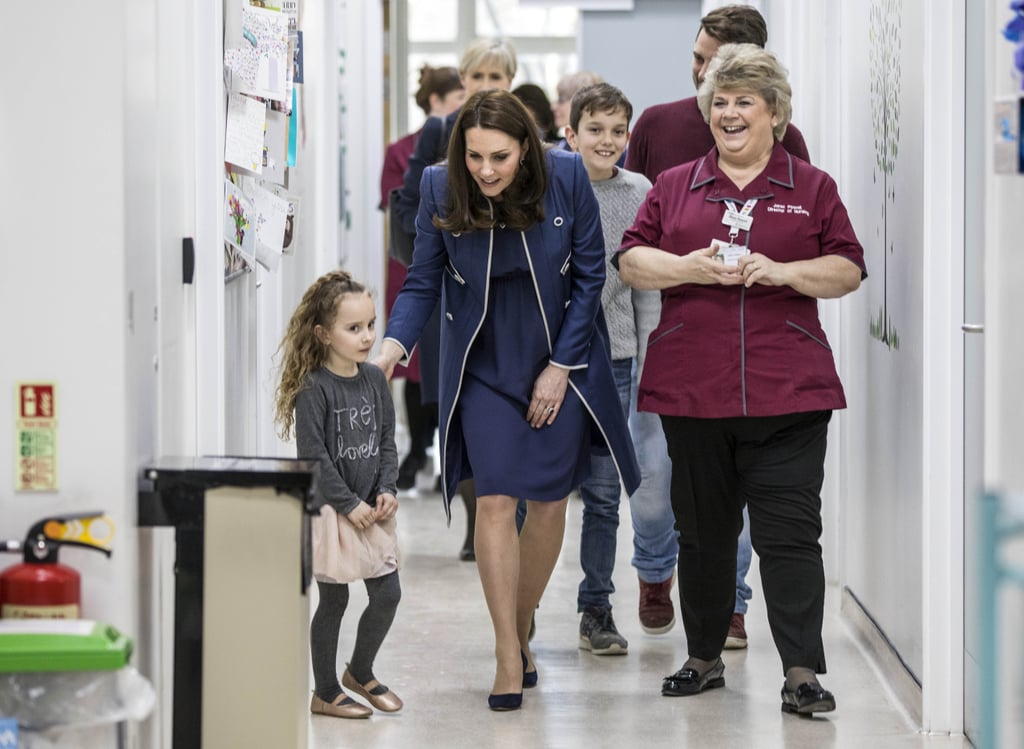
(567, 261)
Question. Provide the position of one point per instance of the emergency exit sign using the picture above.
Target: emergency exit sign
(35, 439)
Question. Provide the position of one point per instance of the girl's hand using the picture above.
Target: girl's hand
(362, 517)
(548, 394)
(387, 506)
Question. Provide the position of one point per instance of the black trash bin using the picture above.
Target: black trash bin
(242, 569)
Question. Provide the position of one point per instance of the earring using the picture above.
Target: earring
(522, 161)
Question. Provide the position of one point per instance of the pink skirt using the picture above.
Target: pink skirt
(343, 553)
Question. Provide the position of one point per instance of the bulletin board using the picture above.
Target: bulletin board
(262, 79)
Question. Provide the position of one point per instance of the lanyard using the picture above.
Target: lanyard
(737, 219)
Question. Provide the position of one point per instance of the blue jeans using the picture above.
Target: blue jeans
(655, 538)
(601, 493)
(744, 551)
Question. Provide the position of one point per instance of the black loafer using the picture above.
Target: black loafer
(688, 681)
(807, 698)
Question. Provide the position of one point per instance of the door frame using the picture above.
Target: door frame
(943, 377)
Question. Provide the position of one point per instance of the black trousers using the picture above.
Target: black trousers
(775, 466)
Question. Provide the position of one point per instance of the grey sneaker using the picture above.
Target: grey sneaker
(599, 635)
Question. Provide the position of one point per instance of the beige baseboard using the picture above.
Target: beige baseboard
(905, 686)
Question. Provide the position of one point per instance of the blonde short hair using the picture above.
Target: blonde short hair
(747, 66)
(489, 51)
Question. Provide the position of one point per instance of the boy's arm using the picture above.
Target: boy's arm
(646, 315)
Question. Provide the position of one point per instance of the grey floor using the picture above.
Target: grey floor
(438, 658)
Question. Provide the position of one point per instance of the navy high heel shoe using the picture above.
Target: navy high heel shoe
(529, 677)
(505, 702)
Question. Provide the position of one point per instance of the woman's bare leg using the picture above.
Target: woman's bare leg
(497, 561)
(468, 492)
(540, 543)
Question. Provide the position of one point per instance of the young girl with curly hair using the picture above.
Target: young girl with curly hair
(341, 411)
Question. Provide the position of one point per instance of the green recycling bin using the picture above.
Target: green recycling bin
(68, 682)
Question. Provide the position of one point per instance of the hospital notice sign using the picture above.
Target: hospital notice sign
(35, 439)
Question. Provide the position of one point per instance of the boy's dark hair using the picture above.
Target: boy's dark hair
(600, 97)
(735, 24)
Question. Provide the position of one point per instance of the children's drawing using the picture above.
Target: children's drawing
(239, 220)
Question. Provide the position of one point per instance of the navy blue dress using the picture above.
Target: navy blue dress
(505, 454)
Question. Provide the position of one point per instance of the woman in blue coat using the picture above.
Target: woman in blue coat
(509, 236)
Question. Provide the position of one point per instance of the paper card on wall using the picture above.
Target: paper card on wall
(235, 263)
(271, 215)
(292, 224)
(297, 59)
(293, 129)
(262, 63)
(243, 136)
(239, 219)
(291, 9)
(275, 148)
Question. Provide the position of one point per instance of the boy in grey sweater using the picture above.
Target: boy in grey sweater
(599, 131)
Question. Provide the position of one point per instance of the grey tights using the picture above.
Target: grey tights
(384, 594)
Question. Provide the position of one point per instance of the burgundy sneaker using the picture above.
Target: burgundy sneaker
(656, 612)
(737, 639)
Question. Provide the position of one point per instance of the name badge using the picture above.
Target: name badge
(737, 220)
(727, 253)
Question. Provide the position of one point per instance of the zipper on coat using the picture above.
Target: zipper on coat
(462, 371)
(743, 347)
(536, 291)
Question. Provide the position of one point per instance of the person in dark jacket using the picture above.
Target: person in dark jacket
(509, 237)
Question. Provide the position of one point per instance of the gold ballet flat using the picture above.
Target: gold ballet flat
(373, 692)
(342, 707)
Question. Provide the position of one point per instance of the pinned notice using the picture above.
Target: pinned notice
(35, 440)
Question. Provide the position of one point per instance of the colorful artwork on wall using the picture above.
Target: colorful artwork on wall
(885, 32)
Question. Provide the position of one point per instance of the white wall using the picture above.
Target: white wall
(1004, 366)
(74, 246)
(883, 516)
(114, 155)
(646, 52)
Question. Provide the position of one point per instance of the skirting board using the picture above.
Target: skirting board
(901, 681)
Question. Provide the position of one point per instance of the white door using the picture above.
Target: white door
(973, 341)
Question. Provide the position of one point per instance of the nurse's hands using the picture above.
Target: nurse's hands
(702, 268)
(757, 268)
(548, 394)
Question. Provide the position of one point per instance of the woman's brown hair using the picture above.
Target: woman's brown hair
(441, 81)
(522, 203)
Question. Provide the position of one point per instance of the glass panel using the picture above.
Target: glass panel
(433, 20)
(545, 70)
(505, 18)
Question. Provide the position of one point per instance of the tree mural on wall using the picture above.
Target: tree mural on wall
(885, 34)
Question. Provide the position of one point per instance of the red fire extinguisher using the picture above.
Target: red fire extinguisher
(40, 587)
